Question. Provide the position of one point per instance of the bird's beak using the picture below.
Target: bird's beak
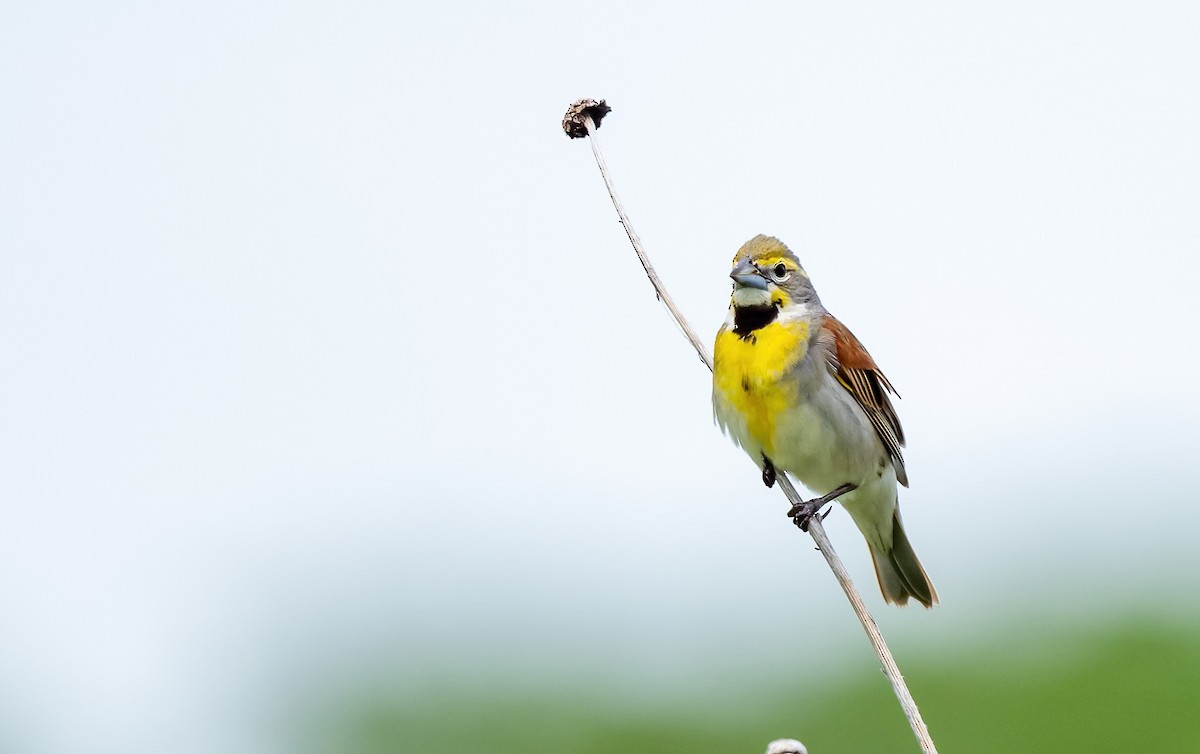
(746, 275)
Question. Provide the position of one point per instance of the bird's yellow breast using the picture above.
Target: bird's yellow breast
(748, 373)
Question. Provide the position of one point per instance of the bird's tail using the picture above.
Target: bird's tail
(900, 573)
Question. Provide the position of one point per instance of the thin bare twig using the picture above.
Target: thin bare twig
(582, 119)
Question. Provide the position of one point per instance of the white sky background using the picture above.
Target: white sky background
(321, 343)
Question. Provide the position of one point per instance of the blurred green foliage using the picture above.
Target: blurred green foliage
(1106, 689)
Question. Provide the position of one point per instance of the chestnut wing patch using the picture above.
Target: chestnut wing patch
(859, 374)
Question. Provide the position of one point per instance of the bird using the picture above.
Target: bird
(795, 389)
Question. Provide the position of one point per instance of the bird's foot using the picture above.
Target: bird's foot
(802, 513)
(768, 471)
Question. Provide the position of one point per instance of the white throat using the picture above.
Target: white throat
(751, 297)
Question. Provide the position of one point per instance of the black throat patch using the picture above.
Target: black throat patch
(747, 319)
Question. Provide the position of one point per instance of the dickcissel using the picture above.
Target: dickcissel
(797, 391)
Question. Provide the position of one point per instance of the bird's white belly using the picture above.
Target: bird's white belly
(827, 441)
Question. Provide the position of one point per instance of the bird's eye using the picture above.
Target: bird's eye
(780, 270)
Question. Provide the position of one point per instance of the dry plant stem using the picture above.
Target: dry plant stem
(815, 529)
(659, 289)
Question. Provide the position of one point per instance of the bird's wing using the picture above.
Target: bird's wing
(857, 372)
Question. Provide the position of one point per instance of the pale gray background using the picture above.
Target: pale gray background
(324, 356)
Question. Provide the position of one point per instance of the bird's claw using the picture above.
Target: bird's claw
(768, 471)
(802, 513)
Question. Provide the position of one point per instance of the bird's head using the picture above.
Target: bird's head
(767, 274)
